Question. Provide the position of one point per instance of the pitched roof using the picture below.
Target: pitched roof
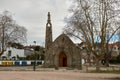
(113, 44)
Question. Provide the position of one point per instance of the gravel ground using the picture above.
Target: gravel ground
(56, 75)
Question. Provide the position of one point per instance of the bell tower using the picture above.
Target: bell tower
(48, 39)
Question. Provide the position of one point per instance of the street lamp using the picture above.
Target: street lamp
(34, 65)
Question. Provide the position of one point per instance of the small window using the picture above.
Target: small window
(9, 53)
(114, 48)
(63, 39)
(83, 47)
(49, 25)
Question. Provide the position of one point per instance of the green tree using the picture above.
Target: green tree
(15, 45)
(33, 57)
(38, 54)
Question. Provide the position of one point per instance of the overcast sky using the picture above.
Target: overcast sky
(32, 14)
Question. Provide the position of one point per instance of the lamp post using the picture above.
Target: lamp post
(34, 65)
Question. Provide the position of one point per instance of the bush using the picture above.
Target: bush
(115, 61)
(33, 57)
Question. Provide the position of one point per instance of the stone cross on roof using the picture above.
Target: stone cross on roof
(49, 20)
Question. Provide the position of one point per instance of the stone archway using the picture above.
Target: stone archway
(62, 60)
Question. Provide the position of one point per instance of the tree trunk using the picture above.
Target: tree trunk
(3, 40)
(97, 65)
(107, 62)
(1, 52)
(89, 60)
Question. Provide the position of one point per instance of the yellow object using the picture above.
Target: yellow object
(9, 63)
(4, 63)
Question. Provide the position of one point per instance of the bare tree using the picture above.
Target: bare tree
(10, 31)
(92, 19)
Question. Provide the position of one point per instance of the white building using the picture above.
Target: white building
(12, 54)
(114, 47)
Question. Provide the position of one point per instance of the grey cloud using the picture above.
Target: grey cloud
(33, 15)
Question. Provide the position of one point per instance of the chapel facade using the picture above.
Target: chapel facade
(61, 52)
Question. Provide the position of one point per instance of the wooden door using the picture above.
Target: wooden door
(62, 60)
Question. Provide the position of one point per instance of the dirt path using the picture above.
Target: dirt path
(55, 75)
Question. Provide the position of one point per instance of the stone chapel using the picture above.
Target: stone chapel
(61, 52)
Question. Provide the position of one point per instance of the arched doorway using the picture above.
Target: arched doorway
(62, 60)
